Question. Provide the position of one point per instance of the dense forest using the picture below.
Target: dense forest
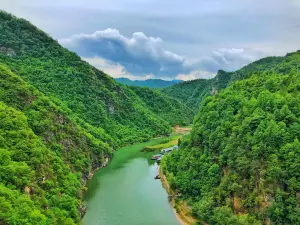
(45, 156)
(165, 106)
(193, 92)
(60, 119)
(240, 165)
(151, 83)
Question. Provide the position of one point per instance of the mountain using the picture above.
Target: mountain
(89, 93)
(60, 119)
(169, 109)
(240, 163)
(151, 83)
(45, 155)
(192, 93)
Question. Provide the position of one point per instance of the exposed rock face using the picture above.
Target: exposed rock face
(88, 176)
(111, 109)
(213, 91)
(82, 210)
(28, 190)
(7, 51)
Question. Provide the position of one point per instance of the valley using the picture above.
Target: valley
(125, 192)
(76, 145)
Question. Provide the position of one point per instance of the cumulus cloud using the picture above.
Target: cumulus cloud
(229, 59)
(139, 55)
(142, 56)
(191, 28)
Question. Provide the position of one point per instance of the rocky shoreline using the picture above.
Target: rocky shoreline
(182, 211)
(85, 178)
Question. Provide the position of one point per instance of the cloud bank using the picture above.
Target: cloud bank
(229, 59)
(213, 35)
(141, 55)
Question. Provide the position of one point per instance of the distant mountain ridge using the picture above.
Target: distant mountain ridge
(193, 92)
(151, 83)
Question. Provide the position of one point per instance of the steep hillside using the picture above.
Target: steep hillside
(45, 156)
(194, 92)
(190, 92)
(60, 119)
(241, 163)
(93, 96)
(170, 109)
(151, 83)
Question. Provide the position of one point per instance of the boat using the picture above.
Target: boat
(157, 177)
(159, 159)
(155, 157)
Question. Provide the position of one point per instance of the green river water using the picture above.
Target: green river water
(125, 192)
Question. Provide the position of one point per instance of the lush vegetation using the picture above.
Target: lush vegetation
(60, 119)
(192, 93)
(164, 143)
(151, 83)
(89, 93)
(45, 156)
(241, 163)
(170, 109)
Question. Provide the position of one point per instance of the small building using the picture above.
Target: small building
(167, 150)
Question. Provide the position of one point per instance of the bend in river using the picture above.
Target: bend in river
(125, 192)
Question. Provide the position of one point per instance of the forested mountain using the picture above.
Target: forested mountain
(92, 95)
(241, 163)
(45, 155)
(170, 109)
(192, 93)
(151, 83)
(60, 119)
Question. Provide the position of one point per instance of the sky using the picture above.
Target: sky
(167, 39)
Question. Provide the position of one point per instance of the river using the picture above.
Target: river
(126, 193)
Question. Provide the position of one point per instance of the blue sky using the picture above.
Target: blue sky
(167, 39)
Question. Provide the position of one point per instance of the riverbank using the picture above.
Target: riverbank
(182, 211)
(167, 142)
(124, 192)
(82, 208)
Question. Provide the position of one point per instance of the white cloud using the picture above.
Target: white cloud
(140, 55)
(238, 31)
(229, 59)
(197, 74)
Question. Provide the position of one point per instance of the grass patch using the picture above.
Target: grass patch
(166, 143)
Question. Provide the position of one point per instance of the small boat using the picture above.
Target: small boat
(155, 157)
(159, 159)
(157, 177)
